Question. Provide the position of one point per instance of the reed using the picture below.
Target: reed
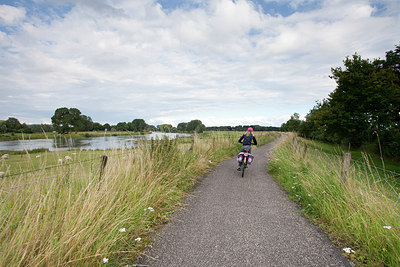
(361, 212)
(70, 215)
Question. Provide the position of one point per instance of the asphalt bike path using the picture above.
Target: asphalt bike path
(233, 221)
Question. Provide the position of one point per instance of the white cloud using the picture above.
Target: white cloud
(10, 15)
(120, 60)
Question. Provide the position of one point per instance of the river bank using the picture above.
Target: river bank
(32, 136)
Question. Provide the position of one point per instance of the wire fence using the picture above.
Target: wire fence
(388, 176)
(58, 166)
(100, 160)
(41, 180)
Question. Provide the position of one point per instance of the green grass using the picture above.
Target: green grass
(72, 215)
(388, 163)
(353, 209)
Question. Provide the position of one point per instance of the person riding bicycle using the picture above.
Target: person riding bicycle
(247, 140)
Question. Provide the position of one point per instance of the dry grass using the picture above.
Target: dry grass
(353, 210)
(68, 216)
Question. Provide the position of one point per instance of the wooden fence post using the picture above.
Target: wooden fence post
(191, 147)
(346, 165)
(102, 166)
(305, 150)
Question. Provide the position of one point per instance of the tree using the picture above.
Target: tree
(13, 125)
(3, 127)
(76, 119)
(195, 126)
(65, 119)
(61, 120)
(86, 123)
(182, 126)
(364, 105)
(122, 126)
(107, 127)
(293, 124)
(139, 125)
(166, 128)
(98, 127)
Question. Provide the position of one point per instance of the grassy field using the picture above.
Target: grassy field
(387, 163)
(71, 215)
(361, 210)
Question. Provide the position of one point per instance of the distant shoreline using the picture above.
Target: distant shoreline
(20, 136)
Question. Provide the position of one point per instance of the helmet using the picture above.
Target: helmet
(250, 129)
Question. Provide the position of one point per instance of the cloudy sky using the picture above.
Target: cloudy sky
(168, 61)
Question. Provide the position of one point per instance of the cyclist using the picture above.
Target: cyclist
(247, 140)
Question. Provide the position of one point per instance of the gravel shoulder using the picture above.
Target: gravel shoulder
(233, 221)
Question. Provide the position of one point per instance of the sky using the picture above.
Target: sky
(224, 62)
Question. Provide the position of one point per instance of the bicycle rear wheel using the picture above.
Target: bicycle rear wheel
(244, 165)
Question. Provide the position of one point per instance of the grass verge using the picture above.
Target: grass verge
(360, 211)
(71, 215)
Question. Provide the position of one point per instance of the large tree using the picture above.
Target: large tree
(61, 120)
(181, 127)
(65, 120)
(364, 106)
(139, 125)
(13, 125)
(195, 126)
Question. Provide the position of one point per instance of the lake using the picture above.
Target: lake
(90, 143)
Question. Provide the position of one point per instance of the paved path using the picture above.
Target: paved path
(235, 221)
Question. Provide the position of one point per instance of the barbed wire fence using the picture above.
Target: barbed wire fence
(102, 160)
(388, 176)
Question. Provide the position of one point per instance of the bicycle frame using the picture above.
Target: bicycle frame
(246, 159)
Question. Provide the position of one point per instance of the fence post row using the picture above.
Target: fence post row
(346, 165)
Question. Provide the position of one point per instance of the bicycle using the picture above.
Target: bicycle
(245, 158)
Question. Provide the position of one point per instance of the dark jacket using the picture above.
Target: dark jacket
(247, 140)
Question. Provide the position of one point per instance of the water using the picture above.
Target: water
(90, 143)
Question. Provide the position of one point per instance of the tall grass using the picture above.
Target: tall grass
(71, 215)
(353, 210)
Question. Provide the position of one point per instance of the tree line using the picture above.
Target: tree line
(243, 128)
(363, 110)
(12, 125)
(67, 120)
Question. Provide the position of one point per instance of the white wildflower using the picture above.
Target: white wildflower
(105, 260)
(209, 161)
(323, 192)
(349, 250)
(292, 187)
(122, 230)
(309, 195)
(38, 156)
(138, 239)
(387, 227)
(150, 209)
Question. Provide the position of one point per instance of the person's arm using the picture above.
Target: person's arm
(241, 139)
(255, 141)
